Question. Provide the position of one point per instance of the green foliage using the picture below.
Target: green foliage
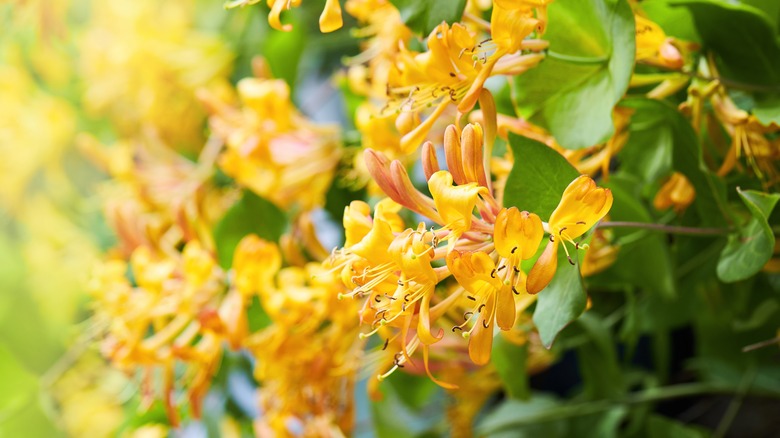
(585, 74)
(561, 302)
(601, 373)
(750, 248)
(510, 362)
(538, 180)
(423, 17)
(644, 260)
(743, 37)
(661, 139)
(536, 184)
(282, 51)
(250, 215)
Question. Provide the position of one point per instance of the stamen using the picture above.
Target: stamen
(471, 298)
(485, 323)
(493, 274)
(381, 377)
(387, 341)
(514, 249)
(515, 291)
(456, 327)
(500, 268)
(481, 306)
(467, 315)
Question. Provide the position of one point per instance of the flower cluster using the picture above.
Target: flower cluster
(397, 269)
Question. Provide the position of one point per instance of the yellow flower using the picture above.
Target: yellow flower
(443, 75)
(476, 272)
(653, 46)
(330, 19)
(142, 61)
(677, 192)
(455, 204)
(582, 205)
(749, 138)
(271, 148)
(255, 263)
(517, 233)
(600, 255)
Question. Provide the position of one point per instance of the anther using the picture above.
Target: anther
(457, 327)
(514, 249)
(378, 299)
(500, 268)
(516, 269)
(493, 274)
(467, 315)
(452, 75)
(571, 262)
(387, 341)
(552, 238)
(392, 298)
(560, 232)
(481, 306)
(581, 223)
(406, 297)
(515, 291)
(485, 323)
(471, 298)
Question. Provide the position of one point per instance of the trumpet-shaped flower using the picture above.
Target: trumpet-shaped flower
(330, 19)
(582, 205)
(677, 192)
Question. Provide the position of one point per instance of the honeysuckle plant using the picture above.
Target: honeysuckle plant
(389, 217)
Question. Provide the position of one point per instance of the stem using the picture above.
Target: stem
(672, 229)
(577, 59)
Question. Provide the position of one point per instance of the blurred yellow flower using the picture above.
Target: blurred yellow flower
(270, 147)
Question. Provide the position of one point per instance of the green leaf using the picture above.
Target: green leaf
(510, 362)
(283, 50)
(643, 260)
(602, 425)
(659, 426)
(767, 108)
(535, 184)
(561, 302)
(538, 178)
(748, 250)
(251, 215)
(601, 374)
(544, 416)
(655, 123)
(676, 22)
(591, 58)
(521, 419)
(423, 16)
(743, 37)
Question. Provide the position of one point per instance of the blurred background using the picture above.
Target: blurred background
(76, 74)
